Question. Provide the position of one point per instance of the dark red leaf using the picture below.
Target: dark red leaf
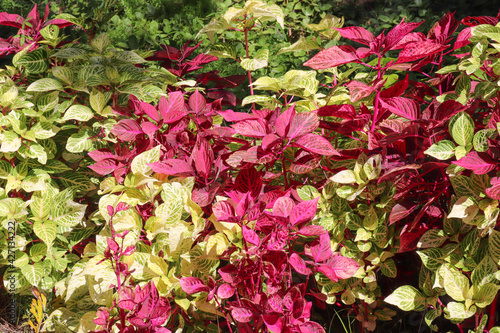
(397, 89)
(226, 95)
(357, 34)
(316, 144)
(332, 57)
(274, 322)
(400, 211)
(249, 180)
(345, 111)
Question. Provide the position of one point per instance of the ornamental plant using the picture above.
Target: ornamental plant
(365, 183)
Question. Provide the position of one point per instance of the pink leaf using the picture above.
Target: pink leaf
(494, 191)
(462, 38)
(412, 37)
(299, 264)
(274, 322)
(304, 211)
(225, 291)
(283, 121)
(174, 108)
(11, 20)
(311, 327)
(332, 57)
(172, 167)
(357, 34)
(224, 212)
(252, 128)
(149, 128)
(150, 111)
(250, 235)
(343, 267)
(230, 115)
(242, 315)
(127, 129)
(103, 167)
(398, 32)
(269, 141)
(275, 302)
(192, 285)
(359, 90)
(283, 207)
(316, 144)
(301, 124)
(112, 244)
(321, 248)
(102, 154)
(479, 164)
(311, 230)
(197, 102)
(419, 50)
(400, 211)
(401, 106)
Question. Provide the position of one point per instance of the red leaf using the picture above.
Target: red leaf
(321, 248)
(192, 285)
(332, 57)
(150, 111)
(204, 197)
(99, 155)
(242, 315)
(304, 211)
(172, 167)
(226, 95)
(345, 111)
(398, 32)
(225, 291)
(412, 37)
(127, 129)
(469, 20)
(174, 108)
(494, 191)
(197, 102)
(149, 128)
(248, 180)
(397, 89)
(479, 164)
(339, 267)
(419, 50)
(275, 302)
(105, 166)
(283, 207)
(299, 264)
(283, 121)
(316, 144)
(304, 164)
(250, 235)
(112, 244)
(301, 124)
(204, 157)
(252, 128)
(311, 327)
(401, 106)
(11, 20)
(357, 34)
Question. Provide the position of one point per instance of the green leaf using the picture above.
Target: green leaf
(388, 268)
(79, 142)
(455, 283)
(48, 101)
(430, 316)
(65, 212)
(432, 258)
(264, 100)
(38, 152)
(139, 163)
(33, 273)
(463, 186)
(46, 231)
(456, 312)
(38, 251)
(100, 43)
(11, 142)
(484, 271)
(344, 177)
(21, 258)
(46, 84)
(78, 112)
(464, 208)
(461, 128)
(41, 205)
(259, 61)
(64, 74)
(302, 44)
(129, 57)
(481, 139)
(407, 298)
(432, 238)
(494, 246)
(5, 169)
(441, 150)
(44, 130)
(35, 62)
(486, 295)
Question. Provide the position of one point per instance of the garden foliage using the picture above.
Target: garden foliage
(366, 180)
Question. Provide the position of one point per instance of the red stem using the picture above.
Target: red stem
(493, 310)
